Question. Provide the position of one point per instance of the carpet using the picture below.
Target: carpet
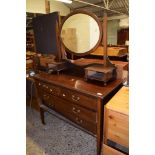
(57, 137)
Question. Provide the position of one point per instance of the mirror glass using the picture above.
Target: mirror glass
(80, 33)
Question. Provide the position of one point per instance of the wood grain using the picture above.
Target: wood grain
(120, 102)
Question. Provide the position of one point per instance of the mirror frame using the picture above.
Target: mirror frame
(100, 30)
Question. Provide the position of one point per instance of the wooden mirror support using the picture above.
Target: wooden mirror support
(102, 72)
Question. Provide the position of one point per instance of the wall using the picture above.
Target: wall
(113, 26)
(35, 6)
(38, 6)
(59, 6)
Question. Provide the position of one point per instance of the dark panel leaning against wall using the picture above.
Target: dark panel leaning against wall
(45, 33)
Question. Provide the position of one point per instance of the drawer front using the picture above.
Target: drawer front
(54, 90)
(46, 98)
(110, 151)
(118, 128)
(79, 98)
(71, 112)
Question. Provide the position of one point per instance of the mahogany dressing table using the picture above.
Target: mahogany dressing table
(77, 100)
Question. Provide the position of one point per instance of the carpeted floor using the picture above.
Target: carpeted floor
(57, 137)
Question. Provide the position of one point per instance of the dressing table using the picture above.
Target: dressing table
(75, 99)
(69, 93)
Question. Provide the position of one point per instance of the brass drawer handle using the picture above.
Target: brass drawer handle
(75, 110)
(79, 120)
(51, 104)
(46, 96)
(75, 98)
(45, 86)
(78, 110)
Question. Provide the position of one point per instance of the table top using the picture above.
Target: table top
(120, 101)
(111, 51)
(96, 89)
(85, 62)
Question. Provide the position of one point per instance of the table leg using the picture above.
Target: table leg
(42, 115)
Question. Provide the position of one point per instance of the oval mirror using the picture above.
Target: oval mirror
(81, 32)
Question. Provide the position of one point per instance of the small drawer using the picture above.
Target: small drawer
(118, 127)
(110, 151)
(79, 98)
(54, 90)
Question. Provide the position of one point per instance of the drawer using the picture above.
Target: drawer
(77, 114)
(54, 90)
(110, 151)
(118, 127)
(47, 99)
(79, 98)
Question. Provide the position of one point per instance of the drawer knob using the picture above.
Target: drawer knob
(39, 84)
(63, 95)
(75, 98)
(111, 117)
(51, 90)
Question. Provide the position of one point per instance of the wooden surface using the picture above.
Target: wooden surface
(120, 102)
(117, 127)
(110, 151)
(85, 62)
(74, 98)
(79, 84)
(111, 51)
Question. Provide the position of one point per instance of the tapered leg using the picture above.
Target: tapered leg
(99, 126)
(42, 115)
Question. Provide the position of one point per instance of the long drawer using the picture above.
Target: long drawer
(79, 98)
(81, 116)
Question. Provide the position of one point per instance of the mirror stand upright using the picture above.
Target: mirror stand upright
(107, 71)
